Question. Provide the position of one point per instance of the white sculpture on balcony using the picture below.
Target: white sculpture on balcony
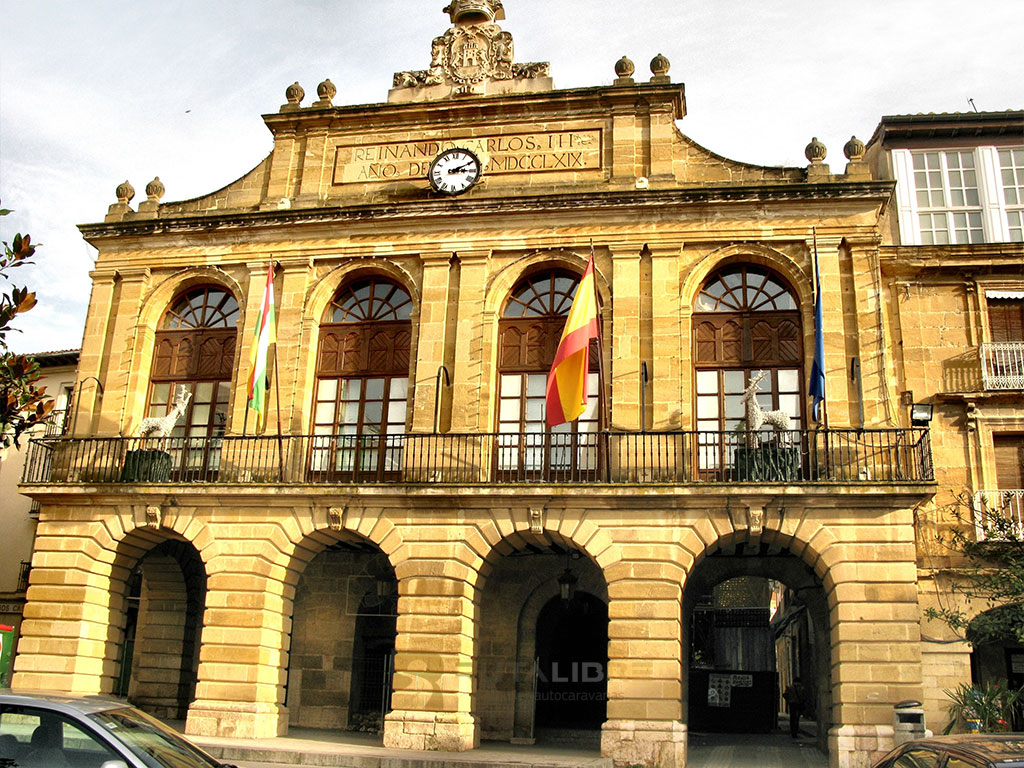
(756, 416)
(161, 426)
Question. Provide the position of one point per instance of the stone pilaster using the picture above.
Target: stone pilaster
(625, 342)
(667, 368)
(433, 679)
(122, 399)
(474, 357)
(436, 325)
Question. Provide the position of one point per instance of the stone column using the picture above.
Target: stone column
(240, 688)
(433, 680)
(66, 641)
(644, 725)
(124, 389)
(438, 308)
(474, 359)
(667, 370)
(625, 337)
(92, 360)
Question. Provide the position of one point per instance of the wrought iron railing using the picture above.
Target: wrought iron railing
(1002, 365)
(998, 513)
(669, 458)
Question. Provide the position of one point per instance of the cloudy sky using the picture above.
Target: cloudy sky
(93, 92)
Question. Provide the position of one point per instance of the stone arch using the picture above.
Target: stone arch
(517, 579)
(501, 283)
(341, 596)
(158, 588)
(798, 276)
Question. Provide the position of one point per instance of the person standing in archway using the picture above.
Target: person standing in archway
(796, 698)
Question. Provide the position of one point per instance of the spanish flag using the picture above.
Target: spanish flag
(567, 381)
(265, 335)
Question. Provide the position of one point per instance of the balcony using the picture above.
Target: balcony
(869, 456)
(999, 514)
(1002, 365)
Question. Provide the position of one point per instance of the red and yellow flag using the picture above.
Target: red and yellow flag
(567, 381)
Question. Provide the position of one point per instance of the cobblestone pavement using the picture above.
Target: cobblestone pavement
(754, 750)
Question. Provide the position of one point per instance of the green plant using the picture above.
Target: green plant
(984, 707)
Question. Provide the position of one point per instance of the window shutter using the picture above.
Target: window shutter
(1009, 451)
(1006, 319)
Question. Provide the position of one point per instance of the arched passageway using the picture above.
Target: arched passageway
(162, 622)
(342, 646)
(543, 643)
(754, 619)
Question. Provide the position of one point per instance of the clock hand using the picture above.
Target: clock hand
(460, 169)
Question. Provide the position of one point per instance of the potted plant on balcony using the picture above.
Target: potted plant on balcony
(982, 708)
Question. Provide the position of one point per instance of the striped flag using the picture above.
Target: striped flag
(567, 381)
(817, 383)
(266, 334)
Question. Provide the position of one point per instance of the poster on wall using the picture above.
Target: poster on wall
(719, 690)
(6, 648)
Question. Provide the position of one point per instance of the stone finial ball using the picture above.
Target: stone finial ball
(660, 66)
(853, 149)
(294, 93)
(815, 151)
(125, 192)
(326, 90)
(155, 189)
(624, 67)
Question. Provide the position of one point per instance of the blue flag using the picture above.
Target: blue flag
(817, 387)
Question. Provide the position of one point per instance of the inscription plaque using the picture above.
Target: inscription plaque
(508, 153)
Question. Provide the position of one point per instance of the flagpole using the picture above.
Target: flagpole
(277, 393)
(602, 421)
(817, 296)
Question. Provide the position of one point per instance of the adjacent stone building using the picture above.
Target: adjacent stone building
(405, 541)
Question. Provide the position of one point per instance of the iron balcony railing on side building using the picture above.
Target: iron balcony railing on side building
(1002, 365)
(1008, 505)
(880, 456)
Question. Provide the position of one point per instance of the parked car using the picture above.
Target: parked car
(40, 730)
(976, 750)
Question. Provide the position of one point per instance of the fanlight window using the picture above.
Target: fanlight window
(361, 403)
(369, 300)
(530, 329)
(745, 321)
(206, 307)
(195, 348)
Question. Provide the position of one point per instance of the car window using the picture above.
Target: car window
(917, 758)
(955, 761)
(38, 738)
(150, 740)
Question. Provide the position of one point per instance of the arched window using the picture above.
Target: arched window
(195, 348)
(530, 329)
(362, 385)
(745, 321)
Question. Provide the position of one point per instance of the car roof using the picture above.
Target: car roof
(994, 747)
(66, 703)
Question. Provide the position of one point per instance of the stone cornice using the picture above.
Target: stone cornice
(959, 260)
(577, 102)
(654, 201)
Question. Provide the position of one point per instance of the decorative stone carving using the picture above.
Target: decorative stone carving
(154, 516)
(624, 69)
(294, 93)
(536, 519)
(334, 517)
(155, 189)
(660, 66)
(854, 149)
(475, 11)
(755, 521)
(476, 56)
(125, 192)
(815, 152)
(326, 91)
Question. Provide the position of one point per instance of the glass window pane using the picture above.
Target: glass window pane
(509, 410)
(707, 382)
(707, 407)
(789, 404)
(396, 412)
(373, 410)
(327, 389)
(789, 380)
(350, 389)
(374, 389)
(534, 409)
(324, 413)
(590, 412)
(204, 392)
(200, 414)
(399, 389)
(161, 393)
(536, 383)
(734, 407)
(733, 382)
(348, 413)
(511, 384)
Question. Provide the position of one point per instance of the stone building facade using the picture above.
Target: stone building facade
(405, 540)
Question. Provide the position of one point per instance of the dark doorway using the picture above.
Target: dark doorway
(373, 653)
(572, 663)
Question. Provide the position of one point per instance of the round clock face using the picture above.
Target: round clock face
(454, 171)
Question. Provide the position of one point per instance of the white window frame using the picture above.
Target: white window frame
(992, 203)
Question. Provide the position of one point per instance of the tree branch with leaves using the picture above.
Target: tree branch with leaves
(23, 403)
